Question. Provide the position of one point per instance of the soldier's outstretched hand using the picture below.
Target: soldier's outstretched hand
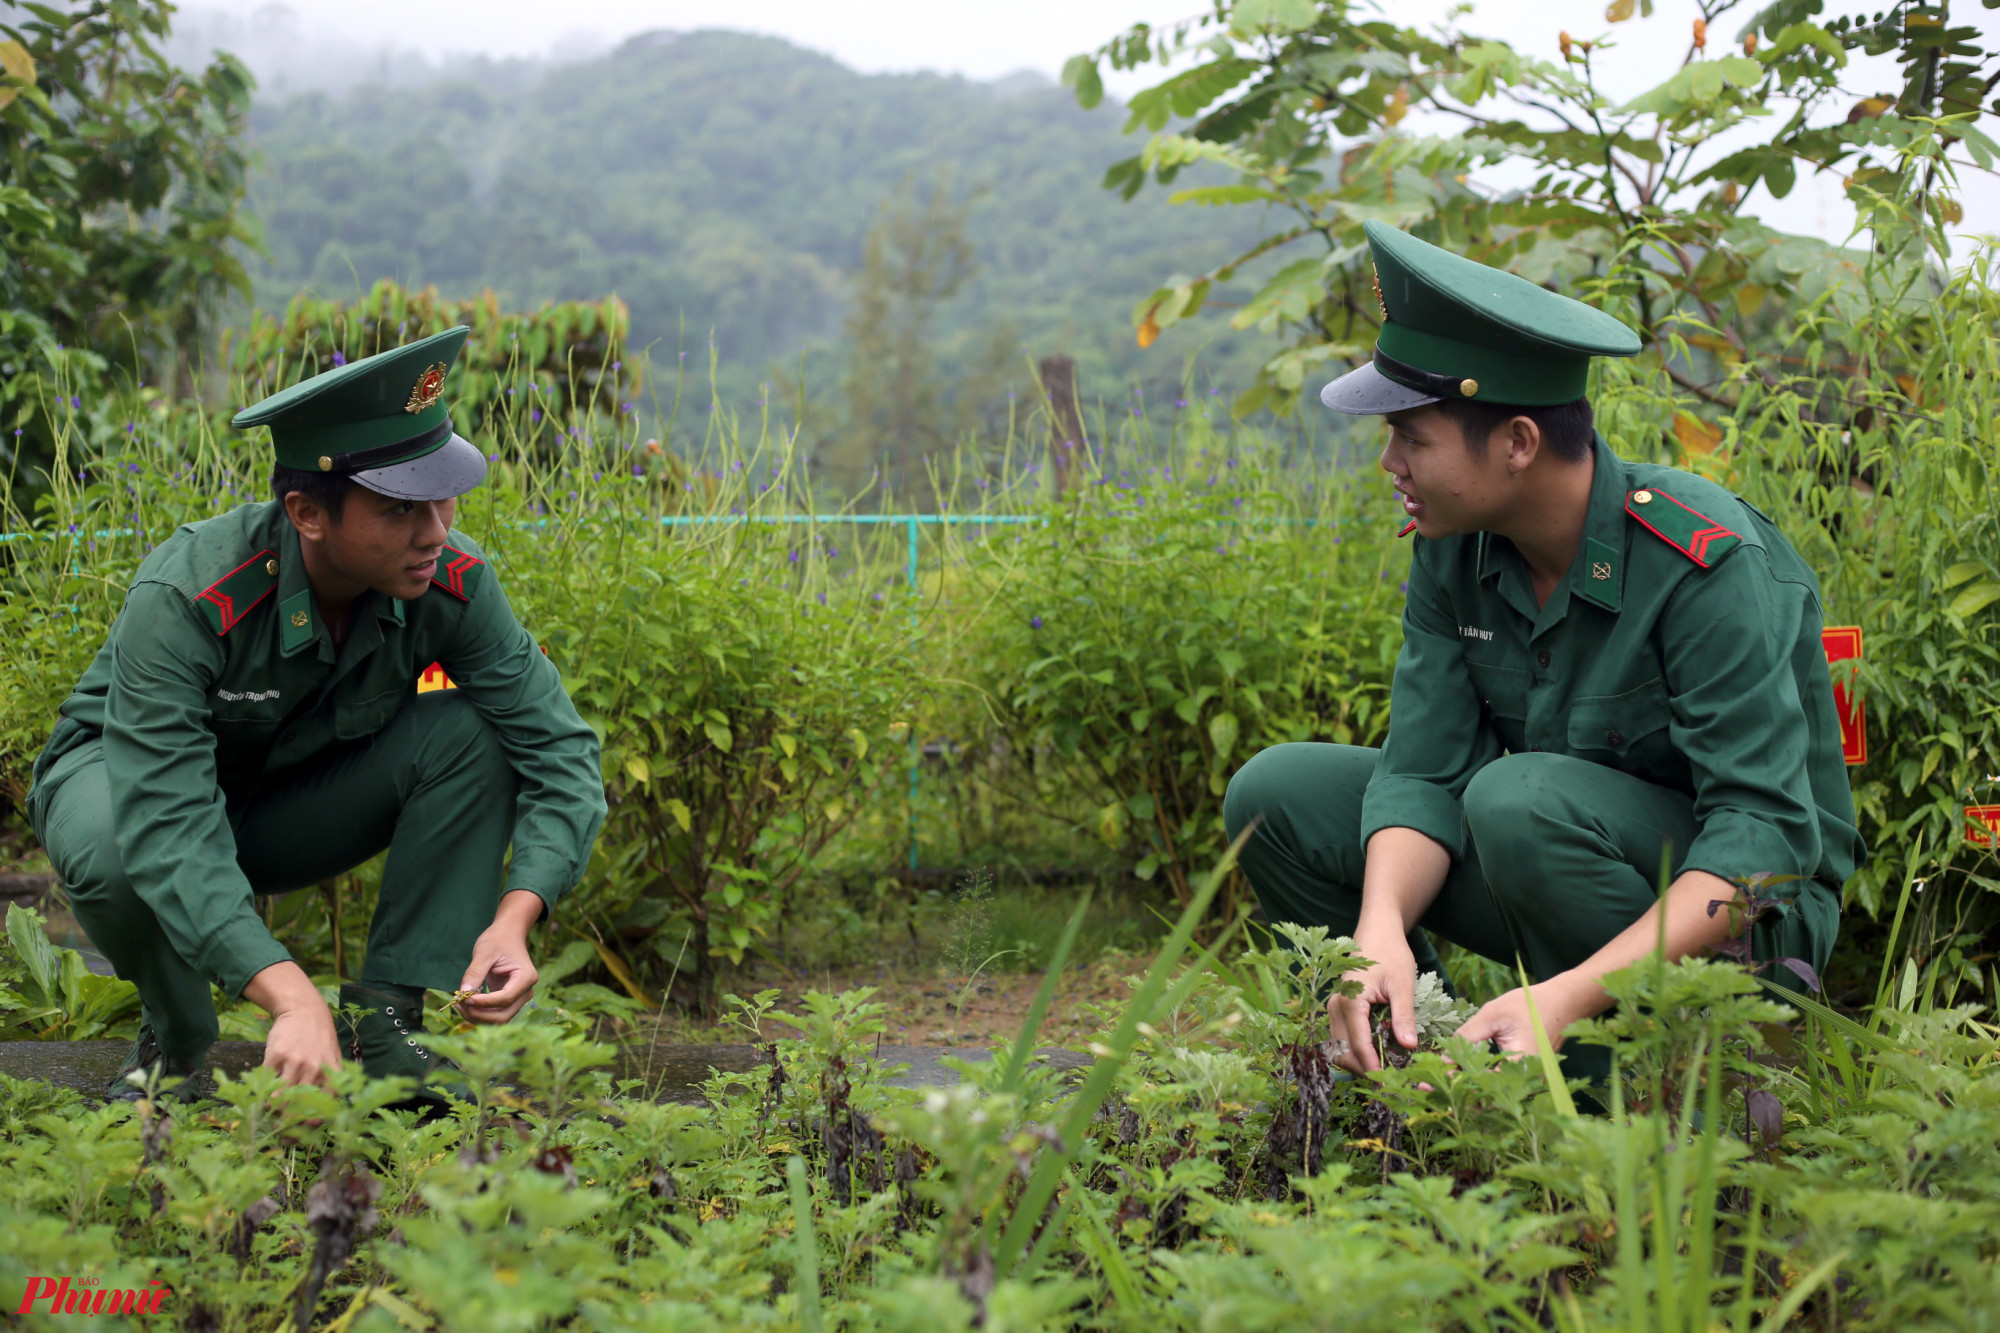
(1506, 1024)
(302, 1043)
(1391, 981)
(501, 975)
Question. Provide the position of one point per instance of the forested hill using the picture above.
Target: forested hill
(722, 181)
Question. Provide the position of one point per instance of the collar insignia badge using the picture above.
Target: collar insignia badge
(429, 385)
(1601, 570)
(301, 619)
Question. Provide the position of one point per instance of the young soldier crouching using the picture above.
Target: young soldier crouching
(252, 725)
(1603, 663)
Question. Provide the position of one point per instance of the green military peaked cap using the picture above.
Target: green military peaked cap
(381, 420)
(1454, 328)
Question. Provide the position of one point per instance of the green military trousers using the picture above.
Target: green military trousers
(433, 787)
(1560, 856)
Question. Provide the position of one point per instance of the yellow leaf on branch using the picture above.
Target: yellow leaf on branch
(1399, 105)
(15, 63)
(1695, 435)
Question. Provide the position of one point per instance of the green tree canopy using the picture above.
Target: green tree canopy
(121, 185)
(1305, 102)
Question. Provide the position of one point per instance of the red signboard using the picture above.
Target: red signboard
(1982, 825)
(1843, 643)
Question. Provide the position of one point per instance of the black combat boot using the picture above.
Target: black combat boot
(386, 1040)
(176, 1079)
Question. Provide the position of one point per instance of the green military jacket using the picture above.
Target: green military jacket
(218, 673)
(1683, 648)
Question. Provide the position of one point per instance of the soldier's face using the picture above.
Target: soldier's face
(1441, 482)
(381, 542)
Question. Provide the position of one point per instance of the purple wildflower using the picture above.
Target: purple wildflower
(1035, 623)
(339, 357)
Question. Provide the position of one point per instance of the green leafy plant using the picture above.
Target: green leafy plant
(52, 996)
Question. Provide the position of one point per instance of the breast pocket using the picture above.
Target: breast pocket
(1503, 699)
(1503, 691)
(1612, 727)
(355, 718)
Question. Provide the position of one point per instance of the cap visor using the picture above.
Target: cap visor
(450, 470)
(1366, 392)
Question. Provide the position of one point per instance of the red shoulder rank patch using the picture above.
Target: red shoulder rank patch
(1695, 535)
(231, 597)
(457, 572)
(1408, 528)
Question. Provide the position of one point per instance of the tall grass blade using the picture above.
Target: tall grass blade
(805, 1263)
(1551, 1063)
(1083, 1107)
(1775, 1321)
(1024, 1041)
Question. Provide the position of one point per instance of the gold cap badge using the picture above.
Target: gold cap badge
(429, 385)
(1468, 387)
(325, 463)
(1375, 281)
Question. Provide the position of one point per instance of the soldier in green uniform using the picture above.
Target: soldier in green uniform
(252, 726)
(1604, 663)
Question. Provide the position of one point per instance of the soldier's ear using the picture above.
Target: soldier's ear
(307, 515)
(1521, 438)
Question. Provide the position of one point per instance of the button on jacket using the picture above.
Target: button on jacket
(1682, 648)
(219, 674)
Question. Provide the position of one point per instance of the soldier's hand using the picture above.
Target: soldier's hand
(1391, 981)
(1505, 1023)
(302, 1043)
(500, 961)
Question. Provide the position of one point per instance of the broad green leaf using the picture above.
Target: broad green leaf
(1222, 730)
(1289, 296)
(678, 809)
(1276, 16)
(1962, 572)
(638, 769)
(719, 736)
(1779, 177)
(1974, 599)
(44, 965)
(1080, 76)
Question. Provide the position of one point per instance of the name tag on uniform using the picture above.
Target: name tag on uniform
(1472, 632)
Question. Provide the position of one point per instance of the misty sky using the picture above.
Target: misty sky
(987, 40)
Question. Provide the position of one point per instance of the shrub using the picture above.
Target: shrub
(1168, 620)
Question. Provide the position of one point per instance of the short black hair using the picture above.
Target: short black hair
(1567, 428)
(328, 490)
